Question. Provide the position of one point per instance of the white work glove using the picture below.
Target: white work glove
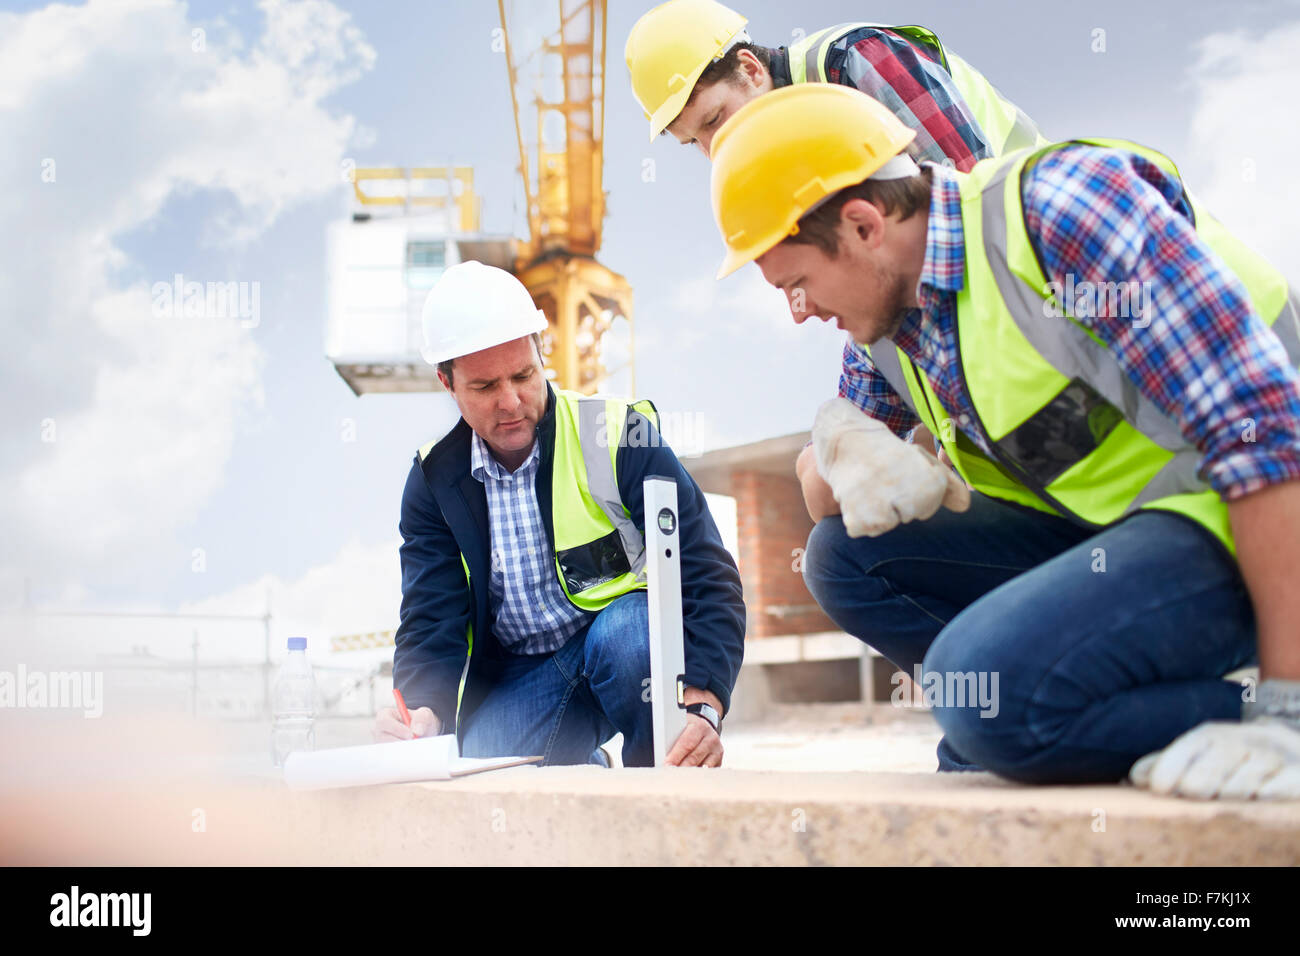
(878, 479)
(1227, 760)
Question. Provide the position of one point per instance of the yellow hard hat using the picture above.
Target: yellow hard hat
(670, 47)
(783, 152)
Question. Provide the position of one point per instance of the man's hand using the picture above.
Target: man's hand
(388, 725)
(698, 745)
(817, 495)
(879, 480)
(1227, 760)
(924, 440)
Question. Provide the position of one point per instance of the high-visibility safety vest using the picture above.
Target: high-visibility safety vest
(1005, 124)
(599, 551)
(1070, 432)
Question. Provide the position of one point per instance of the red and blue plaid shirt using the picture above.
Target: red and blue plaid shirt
(1205, 358)
(909, 79)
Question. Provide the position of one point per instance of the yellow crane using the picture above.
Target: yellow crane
(557, 89)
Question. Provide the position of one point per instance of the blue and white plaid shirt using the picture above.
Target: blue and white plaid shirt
(531, 612)
(1103, 216)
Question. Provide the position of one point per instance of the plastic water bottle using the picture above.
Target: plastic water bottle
(294, 704)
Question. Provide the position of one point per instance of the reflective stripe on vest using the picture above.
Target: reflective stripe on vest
(1035, 376)
(978, 470)
(599, 551)
(1005, 125)
(469, 650)
(602, 483)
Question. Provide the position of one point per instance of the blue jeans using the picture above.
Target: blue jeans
(563, 705)
(1095, 647)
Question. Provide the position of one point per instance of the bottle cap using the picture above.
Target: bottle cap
(297, 643)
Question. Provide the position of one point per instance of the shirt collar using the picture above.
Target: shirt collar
(945, 259)
(779, 67)
(482, 463)
(945, 240)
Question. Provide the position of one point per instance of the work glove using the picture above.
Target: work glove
(1255, 758)
(878, 479)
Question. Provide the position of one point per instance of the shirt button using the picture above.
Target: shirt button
(964, 419)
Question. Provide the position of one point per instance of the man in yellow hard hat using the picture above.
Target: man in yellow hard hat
(524, 622)
(692, 65)
(1114, 376)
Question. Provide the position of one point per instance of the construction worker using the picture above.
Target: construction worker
(1113, 374)
(692, 65)
(524, 616)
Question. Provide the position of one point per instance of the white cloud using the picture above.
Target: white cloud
(108, 112)
(743, 303)
(149, 450)
(728, 360)
(1244, 137)
(358, 591)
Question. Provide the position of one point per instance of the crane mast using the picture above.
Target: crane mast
(557, 89)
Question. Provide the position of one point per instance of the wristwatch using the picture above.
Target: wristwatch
(708, 713)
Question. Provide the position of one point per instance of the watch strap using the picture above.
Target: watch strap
(708, 713)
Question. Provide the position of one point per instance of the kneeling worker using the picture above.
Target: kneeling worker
(524, 622)
(1114, 374)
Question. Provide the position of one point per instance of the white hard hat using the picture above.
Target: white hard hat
(474, 307)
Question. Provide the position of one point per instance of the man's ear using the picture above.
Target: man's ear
(752, 68)
(443, 379)
(862, 221)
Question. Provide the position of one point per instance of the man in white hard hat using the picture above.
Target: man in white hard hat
(524, 622)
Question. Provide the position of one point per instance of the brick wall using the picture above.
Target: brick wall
(772, 528)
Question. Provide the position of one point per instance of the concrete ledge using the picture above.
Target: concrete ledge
(107, 792)
(587, 816)
(728, 818)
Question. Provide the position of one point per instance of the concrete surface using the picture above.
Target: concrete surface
(101, 793)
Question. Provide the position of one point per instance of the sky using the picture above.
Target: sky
(157, 463)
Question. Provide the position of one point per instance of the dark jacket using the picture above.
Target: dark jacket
(444, 515)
